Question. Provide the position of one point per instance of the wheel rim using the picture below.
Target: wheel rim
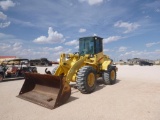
(91, 79)
(113, 75)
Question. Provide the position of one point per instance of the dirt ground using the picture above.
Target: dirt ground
(135, 96)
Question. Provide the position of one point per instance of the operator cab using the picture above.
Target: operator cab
(90, 45)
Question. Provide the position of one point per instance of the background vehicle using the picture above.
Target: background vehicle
(2, 72)
(15, 68)
(40, 62)
(83, 67)
(142, 63)
(35, 62)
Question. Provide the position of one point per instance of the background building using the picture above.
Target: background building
(3, 58)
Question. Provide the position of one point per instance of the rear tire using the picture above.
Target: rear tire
(1, 77)
(86, 79)
(109, 76)
(17, 74)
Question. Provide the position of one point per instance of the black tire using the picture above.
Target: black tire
(86, 79)
(17, 74)
(109, 76)
(1, 77)
(54, 70)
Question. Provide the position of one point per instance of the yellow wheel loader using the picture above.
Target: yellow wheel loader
(83, 67)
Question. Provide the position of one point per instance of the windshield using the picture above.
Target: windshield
(86, 46)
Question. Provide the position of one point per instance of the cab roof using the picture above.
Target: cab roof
(91, 37)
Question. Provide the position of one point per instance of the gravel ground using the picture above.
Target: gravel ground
(135, 96)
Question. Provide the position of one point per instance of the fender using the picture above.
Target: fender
(74, 69)
(105, 64)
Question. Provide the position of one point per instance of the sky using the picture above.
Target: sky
(34, 29)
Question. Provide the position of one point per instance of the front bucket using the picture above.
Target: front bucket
(46, 90)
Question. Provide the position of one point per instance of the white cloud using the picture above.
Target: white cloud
(147, 17)
(81, 30)
(122, 49)
(6, 37)
(47, 49)
(55, 49)
(106, 50)
(151, 44)
(59, 48)
(94, 34)
(6, 4)
(157, 10)
(68, 51)
(4, 46)
(128, 26)
(77, 47)
(141, 54)
(112, 39)
(17, 46)
(23, 23)
(5, 24)
(18, 49)
(158, 50)
(54, 52)
(92, 2)
(10, 48)
(73, 42)
(3, 16)
(64, 50)
(53, 37)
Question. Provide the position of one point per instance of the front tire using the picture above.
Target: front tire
(109, 76)
(86, 79)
